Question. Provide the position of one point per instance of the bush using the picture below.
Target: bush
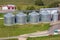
(18, 7)
(30, 8)
(54, 4)
(39, 3)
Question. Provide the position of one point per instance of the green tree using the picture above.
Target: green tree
(18, 7)
(39, 2)
(54, 4)
(30, 8)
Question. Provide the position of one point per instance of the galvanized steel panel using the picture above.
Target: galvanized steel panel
(33, 17)
(9, 19)
(45, 16)
(21, 18)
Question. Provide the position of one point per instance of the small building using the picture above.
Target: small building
(8, 7)
(4, 8)
(11, 7)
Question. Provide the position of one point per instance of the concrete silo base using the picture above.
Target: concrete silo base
(20, 24)
(22, 38)
(8, 24)
(33, 23)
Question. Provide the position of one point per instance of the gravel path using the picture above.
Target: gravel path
(1, 18)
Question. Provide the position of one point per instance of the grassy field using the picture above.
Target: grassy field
(1, 15)
(19, 2)
(55, 37)
(12, 39)
(16, 30)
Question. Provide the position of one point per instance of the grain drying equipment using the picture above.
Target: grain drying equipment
(21, 18)
(33, 17)
(9, 19)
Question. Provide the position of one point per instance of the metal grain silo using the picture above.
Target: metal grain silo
(50, 14)
(45, 16)
(21, 18)
(55, 15)
(9, 19)
(33, 17)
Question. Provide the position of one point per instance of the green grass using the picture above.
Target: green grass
(19, 2)
(55, 37)
(16, 30)
(1, 15)
(12, 39)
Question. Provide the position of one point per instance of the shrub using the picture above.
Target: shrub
(54, 4)
(18, 7)
(39, 2)
(51, 35)
(30, 8)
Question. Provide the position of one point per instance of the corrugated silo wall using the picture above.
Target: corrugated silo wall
(21, 19)
(8, 21)
(59, 16)
(34, 19)
(55, 17)
(45, 18)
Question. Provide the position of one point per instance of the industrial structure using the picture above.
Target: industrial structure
(9, 19)
(33, 17)
(44, 15)
(21, 18)
(7, 8)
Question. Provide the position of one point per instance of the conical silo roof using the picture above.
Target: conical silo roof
(54, 12)
(45, 12)
(33, 13)
(8, 15)
(21, 14)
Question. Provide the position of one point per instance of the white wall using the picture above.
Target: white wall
(4, 8)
